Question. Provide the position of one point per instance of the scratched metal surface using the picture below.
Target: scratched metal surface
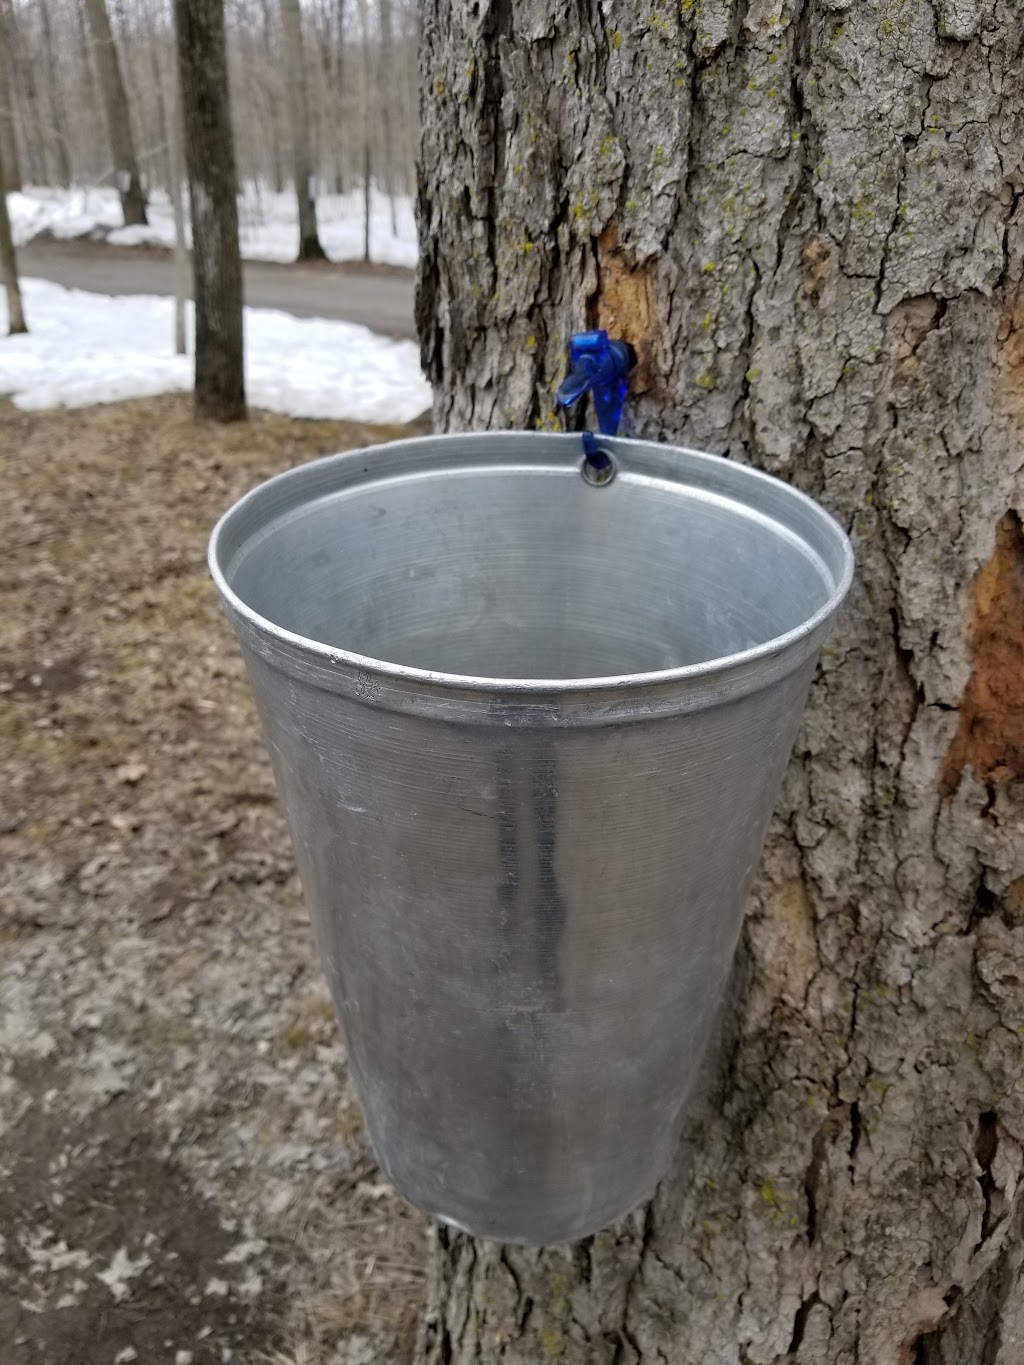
(528, 734)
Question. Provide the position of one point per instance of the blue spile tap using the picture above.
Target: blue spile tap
(600, 364)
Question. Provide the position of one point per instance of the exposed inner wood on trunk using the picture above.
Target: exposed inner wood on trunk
(990, 737)
(622, 304)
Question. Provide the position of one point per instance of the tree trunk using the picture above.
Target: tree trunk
(8, 105)
(8, 142)
(176, 177)
(23, 92)
(9, 264)
(55, 92)
(807, 217)
(89, 109)
(341, 69)
(128, 41)
(159, 82)
(272, 60)
(213, 200)
(117, 113)
(298, 106)
(386, 83)
(409, 29)
(364, 125)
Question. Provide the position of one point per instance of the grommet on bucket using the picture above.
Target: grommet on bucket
(598, 467)
(528, 740)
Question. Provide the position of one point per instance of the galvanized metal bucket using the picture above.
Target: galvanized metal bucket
(528, 733)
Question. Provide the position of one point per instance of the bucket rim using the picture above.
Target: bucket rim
(705, 671)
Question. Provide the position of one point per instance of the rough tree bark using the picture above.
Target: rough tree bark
(9, 264)
(807, 217)
(213, 200)
(298, 108)
(116, 112)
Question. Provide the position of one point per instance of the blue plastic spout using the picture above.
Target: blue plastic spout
(601, 365)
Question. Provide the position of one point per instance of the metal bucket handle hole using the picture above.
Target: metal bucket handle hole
(598, 467)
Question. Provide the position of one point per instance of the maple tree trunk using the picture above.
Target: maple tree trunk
(806, 216)
(213, 203)
(117, 113)
(56, 98)
(9, 264)
(298, 105)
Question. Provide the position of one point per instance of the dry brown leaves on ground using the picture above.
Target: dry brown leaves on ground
(184, 1175)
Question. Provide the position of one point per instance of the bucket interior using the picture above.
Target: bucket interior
(529, 572)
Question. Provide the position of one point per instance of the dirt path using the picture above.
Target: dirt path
(379, 297)
(184, 1176)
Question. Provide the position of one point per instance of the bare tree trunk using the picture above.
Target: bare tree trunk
(270, 49)
(159, 84)
(24, 91)
(298, 105)
(367, 193)
(213, 198)
(323, 128)
(9, 266)
(8, 138)
(339, 75)
(408, 29)
(92, 104)
(129, 38)
(388, 82)
(8, 143)
(56, 98)
(832, 291)
(177, 174)
(364, 123)
(117, 113)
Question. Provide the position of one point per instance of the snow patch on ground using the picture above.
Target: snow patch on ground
(268, 222)
(88, 348)
(122, 1269)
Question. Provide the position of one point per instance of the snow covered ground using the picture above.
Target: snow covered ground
(89, 348)
(268, 223)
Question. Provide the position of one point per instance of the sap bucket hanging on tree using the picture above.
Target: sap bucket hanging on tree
(528, 716)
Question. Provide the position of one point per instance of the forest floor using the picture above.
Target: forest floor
(184, 1174)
